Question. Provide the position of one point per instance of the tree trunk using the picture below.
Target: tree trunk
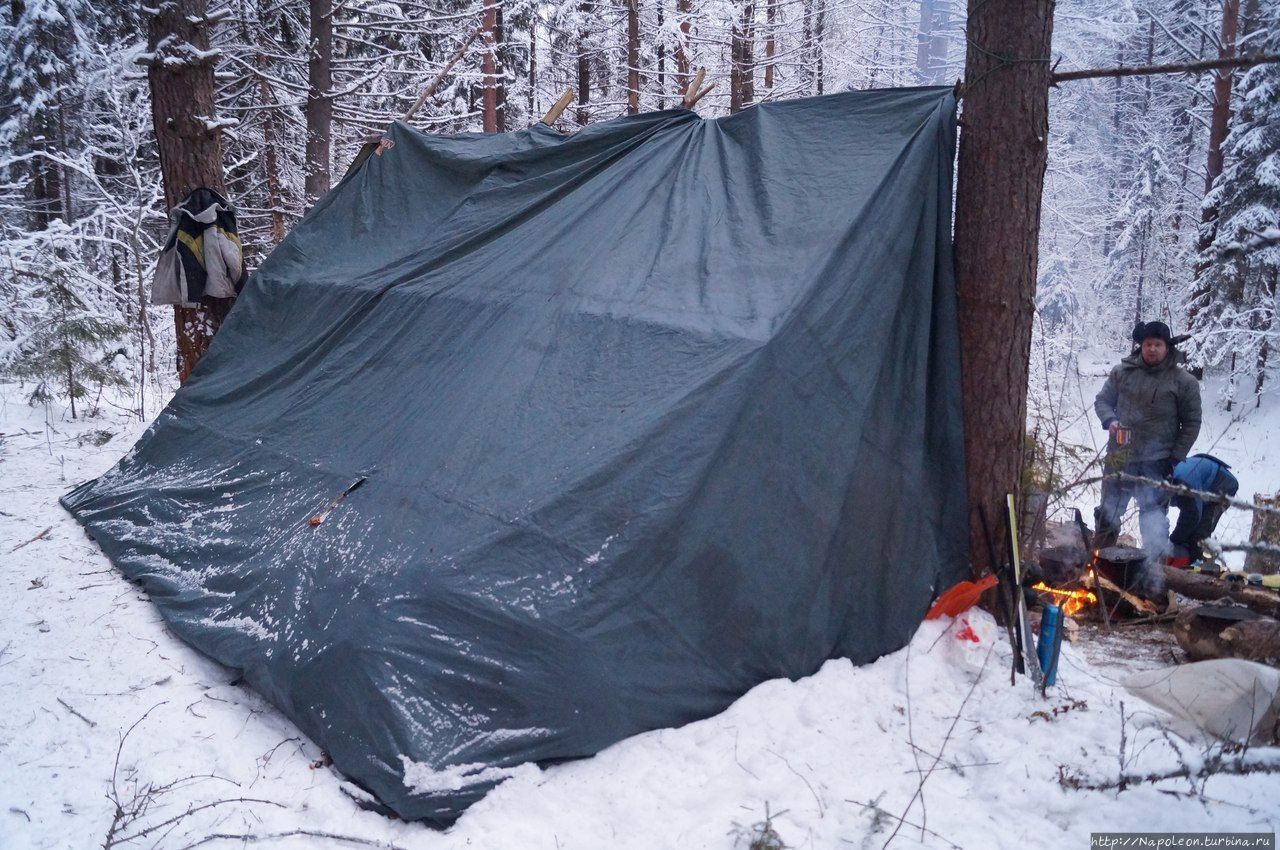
(684, 9)
(46, 175)
(1185, 120)
(770, 42)
(819, 26)
(68, 215)
(533, 68)
(926, 41)
(1264, 350)
(270, 134)
(931, 40)
(735, 68)
(1142, 271)
(489, 67)
(1223, 80)
(319, 107)
(662, 59)
(271, 161)
(1113, 229)
(500, 51)
(1151, 60)
(806, 43)
(1266, 529)
(584, 72)
(633, 57)
(938, 47)
(1003, 153)
(1219, 125)
(182, 109)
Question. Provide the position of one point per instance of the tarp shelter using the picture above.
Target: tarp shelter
(640, 417)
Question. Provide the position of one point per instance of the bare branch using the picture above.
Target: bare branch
(1180, 68)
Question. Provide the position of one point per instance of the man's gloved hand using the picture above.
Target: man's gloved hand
(1166, 469)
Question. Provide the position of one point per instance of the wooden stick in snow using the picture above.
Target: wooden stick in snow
(1180, 68)
(32, 540)
(64, 704)
(553, 114)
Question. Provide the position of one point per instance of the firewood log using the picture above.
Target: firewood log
(1254, 640)
(1209, 588)
(1227, 631)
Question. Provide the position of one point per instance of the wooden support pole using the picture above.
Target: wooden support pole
(553, 114)
(697, 97)
(435, 81)
(691, 93)
(371, 144)
(1180, 68)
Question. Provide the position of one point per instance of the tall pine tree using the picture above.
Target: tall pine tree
(1237, 324)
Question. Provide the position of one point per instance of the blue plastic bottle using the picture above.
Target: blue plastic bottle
(1050, 646)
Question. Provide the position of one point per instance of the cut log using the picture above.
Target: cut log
(1209, 588)
(1254, 640)
(1228, 631)
(1266, 529)
(1199, 630)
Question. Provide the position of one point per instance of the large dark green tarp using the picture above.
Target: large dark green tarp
(644, 416)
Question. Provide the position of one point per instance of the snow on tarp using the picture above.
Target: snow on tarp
(642, 416)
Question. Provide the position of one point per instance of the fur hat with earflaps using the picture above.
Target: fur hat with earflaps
(1147, 330)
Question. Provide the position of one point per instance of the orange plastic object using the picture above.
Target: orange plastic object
(960, 598)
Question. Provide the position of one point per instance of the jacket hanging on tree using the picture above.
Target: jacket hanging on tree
(202, 256)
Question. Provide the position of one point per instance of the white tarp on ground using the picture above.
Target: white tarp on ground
(1233, 699)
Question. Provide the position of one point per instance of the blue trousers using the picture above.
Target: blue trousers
(1153, 506)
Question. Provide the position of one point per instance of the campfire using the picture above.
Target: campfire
(1082, 583)
(1071, 601)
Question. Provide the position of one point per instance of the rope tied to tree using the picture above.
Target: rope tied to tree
(1002, 62)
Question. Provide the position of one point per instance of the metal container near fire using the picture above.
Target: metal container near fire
(1124, 565)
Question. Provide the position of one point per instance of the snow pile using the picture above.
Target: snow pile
(933, 735)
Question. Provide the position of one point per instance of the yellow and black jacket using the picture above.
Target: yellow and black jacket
(202, 256)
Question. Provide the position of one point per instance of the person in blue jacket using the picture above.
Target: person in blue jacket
(1197, 518)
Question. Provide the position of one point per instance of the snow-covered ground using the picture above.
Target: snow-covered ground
(933, 734)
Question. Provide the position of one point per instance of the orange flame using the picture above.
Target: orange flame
(1071, 600)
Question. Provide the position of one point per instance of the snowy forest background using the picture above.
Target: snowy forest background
(1137, 222)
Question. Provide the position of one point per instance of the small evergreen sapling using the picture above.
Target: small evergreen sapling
(761, 835)
(65, 351)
